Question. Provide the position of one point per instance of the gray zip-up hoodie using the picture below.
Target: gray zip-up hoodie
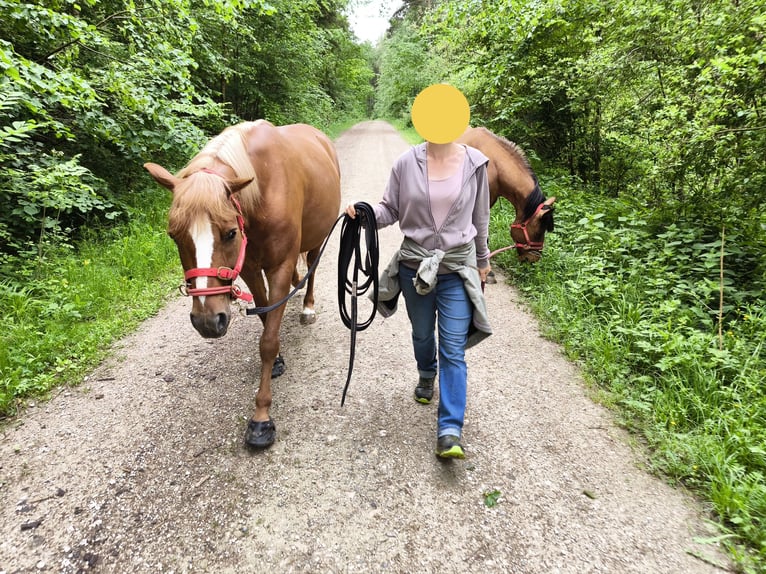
(406, 201)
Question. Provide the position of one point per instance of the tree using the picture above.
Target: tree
(91, 90)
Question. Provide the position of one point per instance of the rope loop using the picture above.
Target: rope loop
(364, 254)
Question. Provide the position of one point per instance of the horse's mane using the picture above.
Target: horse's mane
(535, 198)
(205, 192)
(514, 149)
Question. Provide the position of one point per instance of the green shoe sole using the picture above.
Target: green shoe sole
(456, 451)
(423, 400)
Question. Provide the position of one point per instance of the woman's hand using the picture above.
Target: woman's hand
(350, 211)
(483, 272)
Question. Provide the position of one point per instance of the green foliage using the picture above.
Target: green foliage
(409, 59)
(294, 61)
(665, 100)
(89, 91)
(637, 302)
(491, 498)
(61, 323)
(403, 72)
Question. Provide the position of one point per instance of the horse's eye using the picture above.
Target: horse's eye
(230, 235)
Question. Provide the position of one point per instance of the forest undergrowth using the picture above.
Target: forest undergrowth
(667, 340)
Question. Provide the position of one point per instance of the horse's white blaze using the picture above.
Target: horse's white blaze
(202, 236)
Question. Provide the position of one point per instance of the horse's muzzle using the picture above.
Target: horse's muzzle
(211, 326)
(530, 256)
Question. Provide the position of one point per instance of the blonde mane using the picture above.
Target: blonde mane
(205, 192)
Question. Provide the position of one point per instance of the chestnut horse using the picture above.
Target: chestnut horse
(279, 187)
(511, 176)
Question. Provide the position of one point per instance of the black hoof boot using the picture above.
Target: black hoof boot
(278, 368)
(260, 434)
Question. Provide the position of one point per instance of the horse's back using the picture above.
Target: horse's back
(300, 145)
(318, 145)
(476, 137)
(508, 171)
(301, 160)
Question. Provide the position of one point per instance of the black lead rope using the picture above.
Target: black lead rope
(263, 310)
(351, 248)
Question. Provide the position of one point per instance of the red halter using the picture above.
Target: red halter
(529, 245)
(222, 273)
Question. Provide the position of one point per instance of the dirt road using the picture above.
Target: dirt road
(143, 469)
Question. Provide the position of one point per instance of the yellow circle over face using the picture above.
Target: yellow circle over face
(440, 113)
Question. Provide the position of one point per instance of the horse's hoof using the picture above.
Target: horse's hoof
(308, 317)
(279, 367)
(491, 279)
(260, 434)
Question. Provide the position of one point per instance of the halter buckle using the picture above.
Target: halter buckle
(225, 273)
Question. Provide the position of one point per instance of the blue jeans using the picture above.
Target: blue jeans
(450, 302)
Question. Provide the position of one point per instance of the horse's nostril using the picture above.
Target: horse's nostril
(210, 326)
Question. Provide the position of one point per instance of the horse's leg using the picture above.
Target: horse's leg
(261, 431)
(254, 280)
(308, 315)
(296, 274)
(296, 277)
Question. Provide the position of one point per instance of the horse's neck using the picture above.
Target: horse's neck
(516, 187)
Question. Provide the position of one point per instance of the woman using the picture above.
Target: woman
(438, 192)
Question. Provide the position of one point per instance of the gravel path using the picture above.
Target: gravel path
(142, 468)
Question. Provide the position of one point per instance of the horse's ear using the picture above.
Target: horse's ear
(237, 185)
(546, 213)
(161, 175)
(546, 207)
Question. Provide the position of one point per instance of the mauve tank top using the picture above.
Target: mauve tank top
(442, 193)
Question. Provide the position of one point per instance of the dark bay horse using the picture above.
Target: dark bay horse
(511, 176)
(250, 203)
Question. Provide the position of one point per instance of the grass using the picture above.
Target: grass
(61, 320)
(407, 131)
(635, 304)
(338, 127)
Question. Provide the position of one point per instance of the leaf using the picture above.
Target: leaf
(491, 498)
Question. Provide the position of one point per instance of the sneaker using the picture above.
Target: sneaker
(448, 446)
(424, 392)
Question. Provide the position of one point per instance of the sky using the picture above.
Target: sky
(369, 20)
